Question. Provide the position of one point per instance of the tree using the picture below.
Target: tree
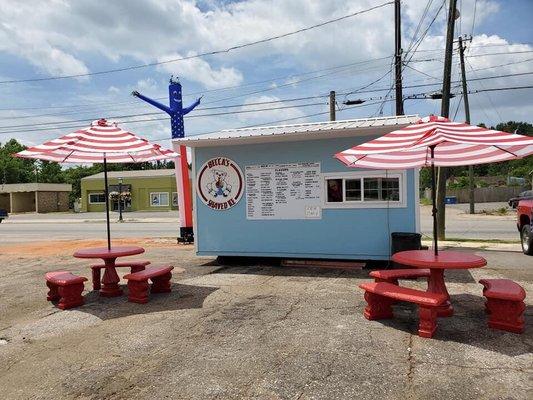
(49, 172)
(12, 169)
(73, 176)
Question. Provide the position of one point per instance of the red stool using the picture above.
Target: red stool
(138, 282)
(134, 265)
(505, 304)
(65, 287)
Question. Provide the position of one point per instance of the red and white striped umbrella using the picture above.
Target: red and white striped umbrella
(101, 140)
(454, 144)
(437, 141)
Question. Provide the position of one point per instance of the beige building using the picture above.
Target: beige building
(34, 197)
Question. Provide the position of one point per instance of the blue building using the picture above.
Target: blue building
(277, 191)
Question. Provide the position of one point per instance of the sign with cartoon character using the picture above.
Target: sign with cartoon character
(220, 183)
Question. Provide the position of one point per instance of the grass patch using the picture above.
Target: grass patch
(498, 211)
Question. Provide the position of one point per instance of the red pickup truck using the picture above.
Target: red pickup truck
(524, 219)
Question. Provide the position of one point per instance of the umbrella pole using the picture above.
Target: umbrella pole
(434, 200)
(106, 193)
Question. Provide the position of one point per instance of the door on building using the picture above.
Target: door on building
(126, 205)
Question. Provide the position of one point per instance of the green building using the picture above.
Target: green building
(147, 190)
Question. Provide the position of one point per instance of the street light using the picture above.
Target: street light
(120, 200)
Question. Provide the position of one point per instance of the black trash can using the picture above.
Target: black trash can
(403, 241)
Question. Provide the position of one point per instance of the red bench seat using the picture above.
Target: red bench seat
(505, 304)
(138, 282)
(380, 297)
(134, 265)
(65, 287)
(392, 275)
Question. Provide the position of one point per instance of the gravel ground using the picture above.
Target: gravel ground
(251, 332)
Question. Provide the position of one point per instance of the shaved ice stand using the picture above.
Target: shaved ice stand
(278, 192)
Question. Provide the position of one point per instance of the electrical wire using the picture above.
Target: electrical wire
(59, 123)
(347, 66)
(101, 104)
(115, 117)
(407, 97)
(210, 53)
(474, 19)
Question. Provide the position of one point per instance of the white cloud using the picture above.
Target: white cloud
(147, 84)
(259, 117)
(61, 37)
(113, 89)
(199, 70)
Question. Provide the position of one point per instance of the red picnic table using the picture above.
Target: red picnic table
(437, 264)
(110, 279)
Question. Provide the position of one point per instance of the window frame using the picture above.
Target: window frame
(401, 203)
(177, 202)
(98, 194)
(159, 205)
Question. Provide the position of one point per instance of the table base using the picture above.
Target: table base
(110, 281)
(436, 285)
(446, 310)
(111, 292)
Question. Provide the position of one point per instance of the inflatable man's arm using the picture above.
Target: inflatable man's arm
(191, 107)
(152, 102)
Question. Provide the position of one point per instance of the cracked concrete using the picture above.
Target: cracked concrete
(257, 332)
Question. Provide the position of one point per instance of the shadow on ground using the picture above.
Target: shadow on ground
(180, 298)
(468, 326)
(311, 272)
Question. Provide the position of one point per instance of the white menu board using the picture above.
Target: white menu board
(283, 191)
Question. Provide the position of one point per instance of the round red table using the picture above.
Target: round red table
(110, 279)
(437, 265)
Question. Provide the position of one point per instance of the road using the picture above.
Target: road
(32, 227)
(64, 226)
(461, 225)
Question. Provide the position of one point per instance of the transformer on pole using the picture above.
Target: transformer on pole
(176, 111)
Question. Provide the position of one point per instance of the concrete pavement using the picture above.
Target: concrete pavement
(252, 332)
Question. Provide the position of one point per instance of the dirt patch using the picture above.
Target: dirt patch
(67, 247)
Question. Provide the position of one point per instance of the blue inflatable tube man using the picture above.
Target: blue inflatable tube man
(176, 111)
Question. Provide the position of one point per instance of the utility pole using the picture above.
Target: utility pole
(445, 112)
(467, 120)
(332, 105)
(398, 57)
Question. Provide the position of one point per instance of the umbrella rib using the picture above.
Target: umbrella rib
(67, 156)
(507, 151)
(359, 159)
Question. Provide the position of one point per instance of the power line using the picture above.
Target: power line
(210, 53)
(425, 95)
(101, 104)
(474, 19)
(60, 123)
(457, 81)
(347, 66)
(195, 110)
(412, 50)
(115, 117)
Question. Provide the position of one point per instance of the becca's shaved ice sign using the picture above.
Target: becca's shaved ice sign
(220, 183)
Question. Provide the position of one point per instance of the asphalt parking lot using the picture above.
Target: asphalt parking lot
(251, 332)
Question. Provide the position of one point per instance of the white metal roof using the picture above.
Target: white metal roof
(306, 131)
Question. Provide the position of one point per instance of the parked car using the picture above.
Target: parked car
(524, 219)
(3, 214)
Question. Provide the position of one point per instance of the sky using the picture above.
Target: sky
(56, 38)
